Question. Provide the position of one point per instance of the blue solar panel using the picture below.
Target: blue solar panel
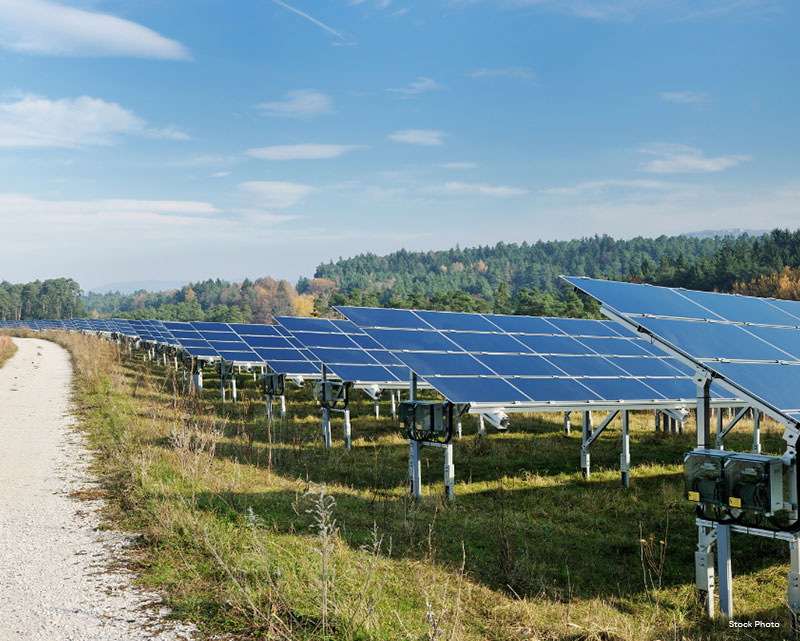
(505, 359)
(743, 309)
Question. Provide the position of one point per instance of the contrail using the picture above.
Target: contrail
(311, 18)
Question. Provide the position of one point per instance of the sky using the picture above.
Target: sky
(188, 139)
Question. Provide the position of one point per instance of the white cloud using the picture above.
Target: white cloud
(424, 137)
(417, 86)
(459, 165)
(596, 186)
(675, 159)
(477, 189)
(220, 174)
(686, 97)
(300, 103)
(34, 121)
(270, 194)
(43, 27)
(300, 152)
(521, 73)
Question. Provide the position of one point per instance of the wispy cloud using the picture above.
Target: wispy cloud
(424, 137)
(597, 186)
(300, 152)
(34, 121)
(676, 159)
(299, 103)
(628, 10)
(458, 165)
(220, 174)
(694, 98)
(312, 19)
(270, 194)
(476, 189)
(520, 73)
(417, 86)
(47, 28)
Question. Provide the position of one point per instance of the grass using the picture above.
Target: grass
(7, 349)
(258, 531)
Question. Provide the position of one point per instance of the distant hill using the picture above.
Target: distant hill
(733, 232)
(131, 287)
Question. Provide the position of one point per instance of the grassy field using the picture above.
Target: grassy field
(7, 349)
(254, 529)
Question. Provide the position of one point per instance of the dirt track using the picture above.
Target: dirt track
(55, 582)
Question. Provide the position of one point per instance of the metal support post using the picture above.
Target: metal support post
(657, 419)
(458, 426)
(703, 382)
(377, 405)
(481, 426)
(394, 404)
(724, 570)
(415, 470)
(269, 407)
(347, 428)
(718, 441)
(704, 566)
(233, 388)
(794, 583)
(673, 425)
(449, 472)
(756, 431)
(625, 457)
(680, 427)
(567, 425)
(283, 406)
(197, 379)
(585, 457)
(664, 422)
(222, 384)
(326, 426)
(176, 363)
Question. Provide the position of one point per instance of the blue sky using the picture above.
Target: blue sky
(184, 140)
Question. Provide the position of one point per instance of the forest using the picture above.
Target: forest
(504, 278)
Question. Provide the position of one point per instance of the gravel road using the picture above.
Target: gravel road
(55, 578)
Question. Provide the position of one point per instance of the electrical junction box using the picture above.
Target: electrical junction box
(704, 476)
(273, 384)
(754, 482)
(326, 392)
(422, 417)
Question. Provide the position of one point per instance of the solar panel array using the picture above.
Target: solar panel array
(347, 352)
(522, 360)
(753, 343)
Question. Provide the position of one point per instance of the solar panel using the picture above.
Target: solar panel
(227, 343)
(507, 360)
(347, 352)
(281, 353)
(752, 343)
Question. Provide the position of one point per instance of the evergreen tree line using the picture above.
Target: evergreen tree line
(51, 299)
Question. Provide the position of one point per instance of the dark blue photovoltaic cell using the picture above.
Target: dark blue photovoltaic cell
(618, 389)
(629, 298)
(457, 321)
(518, 365)
(680, 388)
(554, 345)
(346, 326)
(264, 341)
(364, 341)
(636, 366)
(582, 327)
(774, 383)
(330, 356)
(315, 339)
(585, 366)
(181, 334)
(218, 336)
(614, 346)
(791, 307)
(712, 340)
(200, 351)
(385, 357)
(444, 364)
(555, 389)
(238, 356)
(741, 309)
(787, 340)
(299, 324)
(399, 340)
(194, 342)
(247, 329)
(477, 390)
(286, 354)
(365, 373)
(236, 346)
(367, 317)
(210, 327)
(502, 343)
(688, 370)
(523, 324)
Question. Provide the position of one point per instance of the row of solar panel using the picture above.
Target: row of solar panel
(469, 358)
